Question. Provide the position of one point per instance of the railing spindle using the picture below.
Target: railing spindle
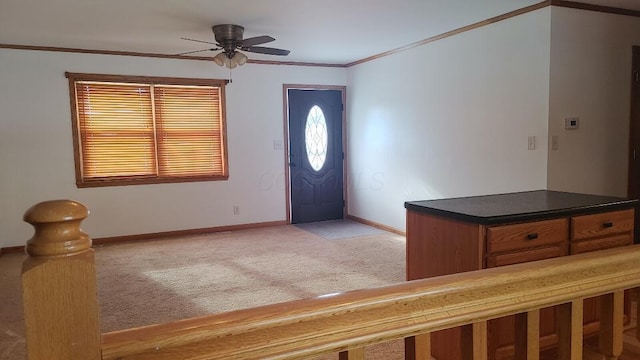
(59, 285)
(474, 341)
(527, 336)
(569, 318)
(611, 324)
(418, 347)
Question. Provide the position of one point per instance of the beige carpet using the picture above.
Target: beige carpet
(339, 229)
(165, 280)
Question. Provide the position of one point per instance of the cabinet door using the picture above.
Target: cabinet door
(519, 243)
(526, 256)
(501, 331)
(609, 242)
(599, 232)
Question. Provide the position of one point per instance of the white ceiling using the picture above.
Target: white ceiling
(327, 31)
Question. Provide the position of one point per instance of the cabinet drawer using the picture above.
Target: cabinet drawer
(588, 226)
(609, 242)
(526, 256)
(526, 235)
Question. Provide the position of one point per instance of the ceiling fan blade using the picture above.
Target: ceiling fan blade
(200, 41)
(257, 40)
(197, 51)
(266, 50)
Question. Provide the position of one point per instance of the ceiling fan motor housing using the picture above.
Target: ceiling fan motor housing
(226, 33)
(229, 37)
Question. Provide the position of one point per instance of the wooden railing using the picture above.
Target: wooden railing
(61, 311)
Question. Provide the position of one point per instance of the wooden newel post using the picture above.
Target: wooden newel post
(59, 285)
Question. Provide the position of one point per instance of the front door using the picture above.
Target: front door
(315, 155)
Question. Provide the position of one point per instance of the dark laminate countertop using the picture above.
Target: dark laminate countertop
(520, 206)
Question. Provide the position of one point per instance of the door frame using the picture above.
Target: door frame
(285, 107)
(633, 190)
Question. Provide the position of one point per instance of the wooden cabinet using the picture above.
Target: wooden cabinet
(443, 237)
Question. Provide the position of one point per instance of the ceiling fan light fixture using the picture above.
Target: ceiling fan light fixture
(230, 63)
(240, 58)
(220, 59)
(223, 59)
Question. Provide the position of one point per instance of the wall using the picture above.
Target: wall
(451, 118)
(590, 79)
(36, 151)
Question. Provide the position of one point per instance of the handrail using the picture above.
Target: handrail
(358, 318)
(61, 313)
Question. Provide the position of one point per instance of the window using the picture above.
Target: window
(144, 130)
(316, 137)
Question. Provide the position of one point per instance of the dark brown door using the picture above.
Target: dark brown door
(634, 138)
(315, 155)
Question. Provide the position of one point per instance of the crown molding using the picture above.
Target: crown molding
(154, 55)
(598, 8)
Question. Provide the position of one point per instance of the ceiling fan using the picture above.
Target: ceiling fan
(229, 40)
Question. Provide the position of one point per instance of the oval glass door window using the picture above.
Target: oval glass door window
(315, 138)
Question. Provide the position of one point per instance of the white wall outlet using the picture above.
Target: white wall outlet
(236, 210)
(531, 143)
(277, 144)
(554, 142)
(571, 123)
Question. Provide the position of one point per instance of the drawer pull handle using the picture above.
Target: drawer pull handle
(607, 224)
(532, 236)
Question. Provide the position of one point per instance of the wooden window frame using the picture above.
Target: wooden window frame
(81, 182)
